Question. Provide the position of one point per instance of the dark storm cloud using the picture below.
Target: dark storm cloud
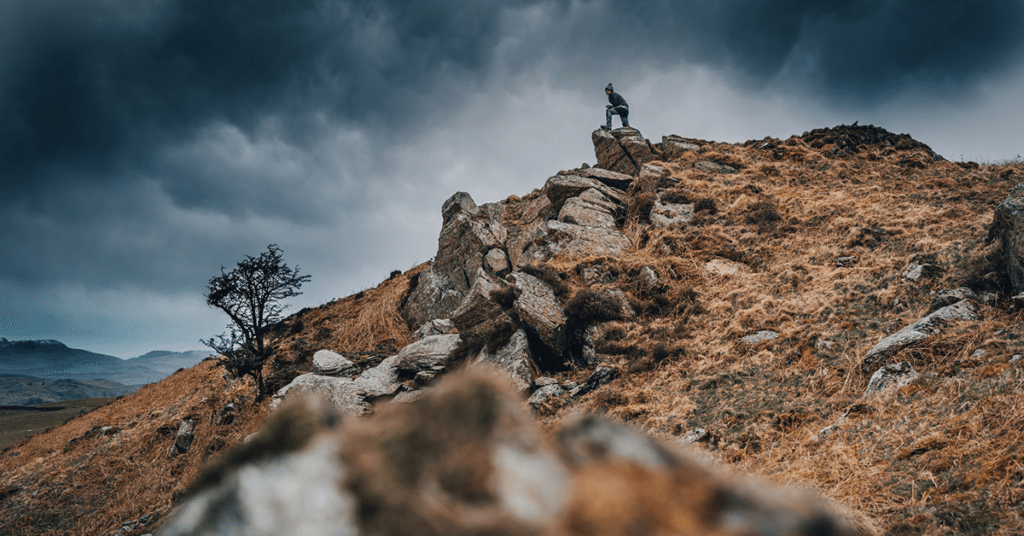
(111, 111)
(97, 85)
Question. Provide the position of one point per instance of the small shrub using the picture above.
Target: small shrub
(593, 305)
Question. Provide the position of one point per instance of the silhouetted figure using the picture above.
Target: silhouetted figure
(617, 107)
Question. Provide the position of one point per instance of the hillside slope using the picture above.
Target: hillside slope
(758, 278)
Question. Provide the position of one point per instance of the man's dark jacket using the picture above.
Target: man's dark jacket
(616, 100)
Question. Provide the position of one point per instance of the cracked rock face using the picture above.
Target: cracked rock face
(467, 235)
(623, 150)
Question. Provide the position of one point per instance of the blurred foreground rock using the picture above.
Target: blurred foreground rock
(467, 458)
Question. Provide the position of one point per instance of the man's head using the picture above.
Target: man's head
(608, 89)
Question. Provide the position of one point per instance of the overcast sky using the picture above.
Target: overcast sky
(144, 144)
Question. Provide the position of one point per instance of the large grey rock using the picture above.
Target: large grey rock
(183, 439)
(328, 363)
(545, 393)
(466, 236)
(916, 333)
(512, 360)
(673, 147)
(561, 188)
(1008, 226)
(428, 353)
(590, 209)
(622, 150)
(890, 377)
(467, 457)
(295, 492)
(951, 296)
(342, 393)
(496, 262)
(667, 214)
(611, 155)
(555, 238)
(619, 181)
(542, 315)
(381, 380)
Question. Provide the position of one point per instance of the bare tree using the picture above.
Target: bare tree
(249, 294)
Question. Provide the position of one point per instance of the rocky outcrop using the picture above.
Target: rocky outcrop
(916, 333)
(467, 235)
(513, 359)
(622, 150)
(1008, 226)
(554, 238)
(673, 146)
(467, 458)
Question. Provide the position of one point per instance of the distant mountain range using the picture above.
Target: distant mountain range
(26, 391)
(53, 360)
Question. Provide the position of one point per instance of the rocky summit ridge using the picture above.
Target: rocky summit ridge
(606, 353)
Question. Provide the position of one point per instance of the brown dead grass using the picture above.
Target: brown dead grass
(98, 482)
(941, 456)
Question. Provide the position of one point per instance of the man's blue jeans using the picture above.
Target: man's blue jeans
(621, 111)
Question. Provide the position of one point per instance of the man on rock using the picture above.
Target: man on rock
(617, 106)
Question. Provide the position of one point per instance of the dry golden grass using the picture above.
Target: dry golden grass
(368, 321)
(934, 458)
(91, 486)
(941, 456)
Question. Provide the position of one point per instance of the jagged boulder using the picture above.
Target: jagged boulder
(917, 332)
(427, 354)
(667, 214)
(183, 438)
(328, 363)
(619, 181)
(590, 209)
(561, 188)
(673, 146)
(1008, 226)
(468, 458)
(513, 359)
(552, 238)
(622, 150)
(342, 393)
(890, 377)
(479, 316)
(467, 234)
(542, 316)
